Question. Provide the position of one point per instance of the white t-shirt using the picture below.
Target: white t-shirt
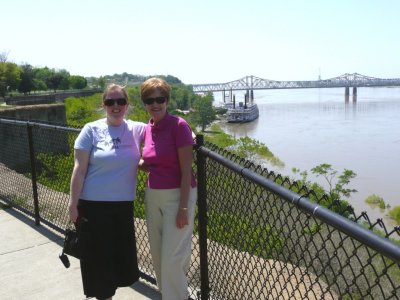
(114, 157)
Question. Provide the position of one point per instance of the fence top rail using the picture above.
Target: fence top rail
(380, 244)
(38, 124)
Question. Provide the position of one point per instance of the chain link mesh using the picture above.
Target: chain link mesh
(263, 247)
(259, 245)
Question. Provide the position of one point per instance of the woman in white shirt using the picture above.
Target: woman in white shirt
(103, 188)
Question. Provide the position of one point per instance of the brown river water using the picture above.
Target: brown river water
(307, 127)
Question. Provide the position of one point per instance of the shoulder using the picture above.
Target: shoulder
(136, 127)
(180, 126)
(178, 121)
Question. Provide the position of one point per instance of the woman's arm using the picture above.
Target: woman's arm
(185, 155)
(81, 162)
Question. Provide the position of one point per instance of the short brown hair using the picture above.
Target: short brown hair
(155, 84)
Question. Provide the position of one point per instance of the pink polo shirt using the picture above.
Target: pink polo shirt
(160, 151)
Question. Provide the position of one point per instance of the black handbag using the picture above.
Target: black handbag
(73, 245)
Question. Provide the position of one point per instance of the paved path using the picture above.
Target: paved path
(30, 268)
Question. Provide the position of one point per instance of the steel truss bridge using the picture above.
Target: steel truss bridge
(255, 83)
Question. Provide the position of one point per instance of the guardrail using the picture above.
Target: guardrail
(257, 234)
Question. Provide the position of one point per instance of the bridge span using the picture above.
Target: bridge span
(347, 80)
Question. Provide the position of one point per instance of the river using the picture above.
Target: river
(307, 127)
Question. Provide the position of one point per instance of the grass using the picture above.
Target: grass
(4, 206)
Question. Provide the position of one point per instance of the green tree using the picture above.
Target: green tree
(333, 198)
(181, 95)
(41, 77)
(58, 79)
(77, 82)
(204, 112)
(337, 190)
(27, 83)
(10, 77)
(64, 84)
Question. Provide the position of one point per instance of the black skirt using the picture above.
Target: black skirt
(109, 255)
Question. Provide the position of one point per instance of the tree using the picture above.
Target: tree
(181, 96)
(77, 82)
(10, 77)
(59, 79)
(204, 112)
(41, 76)
(4, 56)
(27, 83)
(336, 191)
(64, 84)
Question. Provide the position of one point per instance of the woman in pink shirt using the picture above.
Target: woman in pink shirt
(171, 192)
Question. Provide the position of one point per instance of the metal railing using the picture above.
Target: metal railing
(257, 234)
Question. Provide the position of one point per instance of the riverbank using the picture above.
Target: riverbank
(283, 144)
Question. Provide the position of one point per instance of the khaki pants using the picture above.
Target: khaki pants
(170, 246)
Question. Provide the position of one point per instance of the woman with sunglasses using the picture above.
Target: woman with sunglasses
(171, 190)
(103, 187)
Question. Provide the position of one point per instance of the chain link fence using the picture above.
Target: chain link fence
(257, 234)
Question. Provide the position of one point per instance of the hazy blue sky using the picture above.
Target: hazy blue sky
(205, 41)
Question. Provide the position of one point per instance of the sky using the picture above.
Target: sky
(205, 41)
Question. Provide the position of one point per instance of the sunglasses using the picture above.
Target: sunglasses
(150, 101)
(111, 102)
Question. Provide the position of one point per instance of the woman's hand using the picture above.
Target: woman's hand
(142, 166)
(73, 213)
(182, 218)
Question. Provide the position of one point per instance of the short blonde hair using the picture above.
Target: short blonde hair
(155, 84)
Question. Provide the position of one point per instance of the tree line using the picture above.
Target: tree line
(26, 78)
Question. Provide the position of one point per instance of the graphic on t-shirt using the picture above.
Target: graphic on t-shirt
(115, 142)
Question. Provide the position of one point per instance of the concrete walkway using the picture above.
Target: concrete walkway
(30, 267)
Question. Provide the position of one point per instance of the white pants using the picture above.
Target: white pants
(170, 246)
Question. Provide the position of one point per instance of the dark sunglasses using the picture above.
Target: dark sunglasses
(150, 101)
(111, 102)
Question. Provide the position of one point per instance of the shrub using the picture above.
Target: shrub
(376, 200)
(394, 213)
(242, 234)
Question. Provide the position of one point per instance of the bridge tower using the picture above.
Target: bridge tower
(227, 95)
(347, 93)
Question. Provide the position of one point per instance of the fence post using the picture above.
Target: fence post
(202, 219)
(33, 171)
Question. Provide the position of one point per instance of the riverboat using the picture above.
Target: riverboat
(241, 113)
